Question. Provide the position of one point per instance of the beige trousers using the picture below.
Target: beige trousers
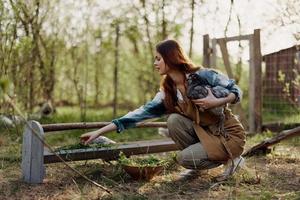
(192, 154)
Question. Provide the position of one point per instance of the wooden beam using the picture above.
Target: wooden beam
(255, 84)
(206, 51)
(112, 153)
(236, 38)
(258, 80)
(92, 125)
(262, 146)
(214, 53)
(251, 87)
(225, 56)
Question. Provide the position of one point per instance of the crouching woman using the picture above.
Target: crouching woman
(194, 130)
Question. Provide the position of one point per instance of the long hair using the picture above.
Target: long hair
(175, 58)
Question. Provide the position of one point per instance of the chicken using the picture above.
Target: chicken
(197, 88)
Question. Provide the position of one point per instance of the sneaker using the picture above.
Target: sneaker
(231, 168)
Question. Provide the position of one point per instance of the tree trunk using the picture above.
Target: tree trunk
(115, 101)
(96, 82)
(192, 29)
(152, 86)
(164, 23)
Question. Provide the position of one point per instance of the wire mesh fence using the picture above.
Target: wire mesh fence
(281, 86)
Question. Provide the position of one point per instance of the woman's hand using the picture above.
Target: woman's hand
(210, 101)
(88, 137)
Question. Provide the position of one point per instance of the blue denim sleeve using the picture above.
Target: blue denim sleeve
(152, 109)
(217, 79)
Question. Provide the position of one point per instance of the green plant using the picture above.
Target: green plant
(149, 161)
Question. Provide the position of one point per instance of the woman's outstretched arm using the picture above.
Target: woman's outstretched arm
(90, 136)
(153, 109)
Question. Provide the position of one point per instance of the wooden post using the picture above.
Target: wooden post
(255, 84)
(258, 80)
(33, 170)
(225, 55)
(214, 53)
(206, 51)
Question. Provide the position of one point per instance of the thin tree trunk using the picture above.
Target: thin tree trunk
(148, 31)
(152, 86)
(74, 79)
(115, 102)
(98, 73)
(96, 81)
(164, 23)
(192, 29)
(30, 79)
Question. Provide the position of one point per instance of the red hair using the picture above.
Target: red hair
(175, 58)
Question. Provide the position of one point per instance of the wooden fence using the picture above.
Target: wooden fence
(35, 155)
(255, 71)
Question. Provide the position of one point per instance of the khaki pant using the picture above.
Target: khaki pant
(192, 154)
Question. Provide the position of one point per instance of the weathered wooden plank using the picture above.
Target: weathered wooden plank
(37, 160)
(237, 38)
(206, 51)
(91, 125)
(33, 154)
(251, 87)
(214, 53)
(258, 80)
(255, 84)
(111, 153)
(26, 154)
(225, 56)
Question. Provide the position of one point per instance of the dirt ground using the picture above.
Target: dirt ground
(275, 176)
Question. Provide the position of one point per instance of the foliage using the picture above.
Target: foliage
(4, 86)
(149, 161)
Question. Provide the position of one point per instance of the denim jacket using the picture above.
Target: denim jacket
(155, 108)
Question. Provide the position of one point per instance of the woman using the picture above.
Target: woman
(194, 130)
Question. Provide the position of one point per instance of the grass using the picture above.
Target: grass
(279, 170)
(280, 111)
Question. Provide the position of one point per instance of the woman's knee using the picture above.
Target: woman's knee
(175, 125)
(173, 120)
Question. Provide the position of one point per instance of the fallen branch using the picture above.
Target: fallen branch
(263, 146)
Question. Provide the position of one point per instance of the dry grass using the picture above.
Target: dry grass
(279, 174)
